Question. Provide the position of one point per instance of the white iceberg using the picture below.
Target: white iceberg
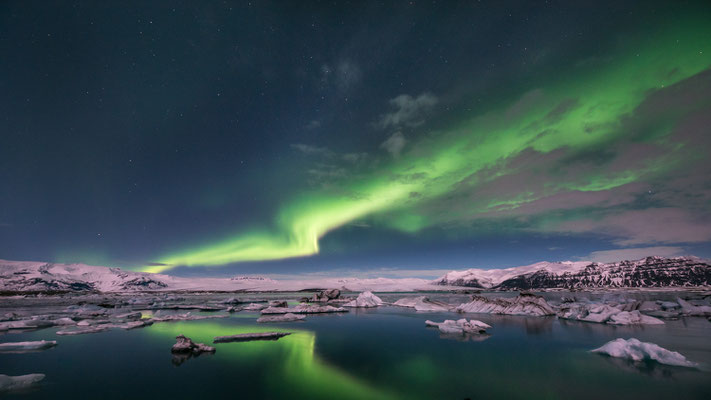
(365, 299)
(19, 382)
(633, 318)
(304, 308)
(693, 310)
(605, 314)
(422, 303)
(84, 329)
(460, 326)
(27, 346)
(524, 304)
(633, 349)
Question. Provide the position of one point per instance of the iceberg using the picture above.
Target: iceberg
(83, 330)
(304, 308)
(605, 314)
(246, 337)
(523, 304)
(27, 346)
(186, 345)
(365, 299)
(460, 326)
(423, 303)
(8, 383)
(693, 310)
(633, 349)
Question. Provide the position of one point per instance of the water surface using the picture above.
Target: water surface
(384, 353)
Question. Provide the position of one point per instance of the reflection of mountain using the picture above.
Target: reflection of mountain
(292, 370)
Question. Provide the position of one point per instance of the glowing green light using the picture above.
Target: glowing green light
(293, 363)
(598, 101)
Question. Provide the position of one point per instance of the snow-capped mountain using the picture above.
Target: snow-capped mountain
(646, 272)
(29, 276)
(41, 277)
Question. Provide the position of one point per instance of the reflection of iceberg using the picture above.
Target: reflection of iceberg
(298, 372)
(650, 368)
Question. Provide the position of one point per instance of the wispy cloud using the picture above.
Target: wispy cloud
(344, 75)
(408, 111)
(394, 144)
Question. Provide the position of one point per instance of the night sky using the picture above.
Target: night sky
(221, 138)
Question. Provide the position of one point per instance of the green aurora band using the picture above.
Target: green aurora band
(575, 112)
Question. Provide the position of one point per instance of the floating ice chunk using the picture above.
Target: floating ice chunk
(600, 313)
(245, 337)
(136, 315)
(633, 349)
(186, 345)
(524, 304)
(422, 303)
(83, 330)
(326, 295)
(633, 318)
(133, 324)
(26, 324)
(606, 314)
(8, 383)
(27, 346)
(254, 307)
(163, 317)
(460, 326)
(304, 309)
(690, 309)
(288, 317)
(365, 299)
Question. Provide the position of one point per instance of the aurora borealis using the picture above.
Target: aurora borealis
(422, 137)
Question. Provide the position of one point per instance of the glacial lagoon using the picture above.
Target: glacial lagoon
(379, 353)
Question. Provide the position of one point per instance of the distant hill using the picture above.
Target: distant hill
(647, 272)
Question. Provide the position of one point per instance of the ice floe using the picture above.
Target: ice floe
(246, 337)
(460, 326)
(633, 349)
(27, 346)
(365, 299)
(422, 303)
(605, 314)
(186, 345)
(8, 383)
(688, 308)
(304, 308)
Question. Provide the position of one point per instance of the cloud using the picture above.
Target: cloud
(651, 225)
(394, 144)
(607, 256)
(312, 150)
(345, 75)
(409, 111)
(313, 124)
(354, 157)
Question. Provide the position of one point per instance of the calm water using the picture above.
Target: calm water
(383, 353)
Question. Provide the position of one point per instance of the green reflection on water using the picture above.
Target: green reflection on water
(295, 370)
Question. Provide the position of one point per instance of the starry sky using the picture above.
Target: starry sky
(360, 138)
